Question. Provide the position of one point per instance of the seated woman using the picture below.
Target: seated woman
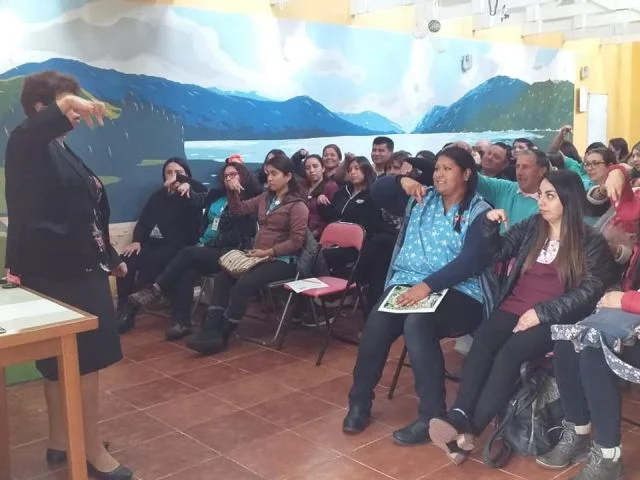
(282, 216)
(439, 247)
(223, 232)
(168, 222)
(318, 189)
(559, 269)
(352, 203)
(331, 158)
(590, 394)
(597, 164)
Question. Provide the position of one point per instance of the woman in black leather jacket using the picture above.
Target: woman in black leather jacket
(558, 268)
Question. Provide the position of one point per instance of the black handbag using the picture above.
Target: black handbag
(531, 423)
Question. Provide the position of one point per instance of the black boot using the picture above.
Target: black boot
(357, 419)
(214, 335)
(127, 317)
(177, 331)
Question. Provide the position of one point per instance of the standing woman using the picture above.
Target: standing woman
(58, 244)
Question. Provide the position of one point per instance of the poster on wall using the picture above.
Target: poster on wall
(202, 85)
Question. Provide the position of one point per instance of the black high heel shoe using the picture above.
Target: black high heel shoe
(57, 457)
(120, 473)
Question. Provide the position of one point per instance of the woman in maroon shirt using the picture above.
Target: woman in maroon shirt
(559, 269)
(317, 189)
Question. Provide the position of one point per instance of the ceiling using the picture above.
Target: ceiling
(611, 21)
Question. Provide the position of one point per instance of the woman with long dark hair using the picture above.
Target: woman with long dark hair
(222, 232)
(282, 216)
(318, 189)
(439, 247)
(559, 269)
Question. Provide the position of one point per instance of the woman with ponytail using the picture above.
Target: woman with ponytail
(439, 247)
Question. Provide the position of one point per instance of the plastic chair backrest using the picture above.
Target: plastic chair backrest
(343, 234)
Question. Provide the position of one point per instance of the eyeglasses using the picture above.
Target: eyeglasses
(230, 175)
(592, 164)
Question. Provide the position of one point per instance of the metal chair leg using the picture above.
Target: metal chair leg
(195, 305)
(396, 375)
(331, 326)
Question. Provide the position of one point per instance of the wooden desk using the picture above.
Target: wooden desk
(39, 327)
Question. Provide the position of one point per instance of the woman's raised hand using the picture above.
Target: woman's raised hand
(498, 215)
(413, 188)
(233, 185)
(87, 110)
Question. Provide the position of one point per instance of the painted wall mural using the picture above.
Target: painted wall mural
(205, 84)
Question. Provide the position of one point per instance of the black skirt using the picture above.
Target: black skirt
(91, 293)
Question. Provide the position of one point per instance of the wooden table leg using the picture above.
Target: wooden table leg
(5, 467)
(70, 389)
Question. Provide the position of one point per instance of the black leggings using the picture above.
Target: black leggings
(590, 391)
(177, 280)
(458, 314)
(233, 295)
(492, 368)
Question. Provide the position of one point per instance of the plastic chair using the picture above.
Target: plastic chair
(344, 235)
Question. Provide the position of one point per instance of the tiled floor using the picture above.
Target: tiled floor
(252, 413)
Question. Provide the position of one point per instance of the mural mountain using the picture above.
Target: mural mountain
(205, 113)
(501, 104)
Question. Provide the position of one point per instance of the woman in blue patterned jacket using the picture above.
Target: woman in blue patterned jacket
(440, 247)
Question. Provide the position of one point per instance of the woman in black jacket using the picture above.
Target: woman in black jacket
(558, 270)
(168, 223)
(352, 203)
(223, 232)
(58, 244)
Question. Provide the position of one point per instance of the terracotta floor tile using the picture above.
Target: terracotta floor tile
(469, 470)
(341, 468)
(327, 431)
(261, 362)
(343, 361)
(293, 409)
(148, 351)
(153, 393)
(26, 427)
(401, 463)
(405, 381)
(165, 455)
(334, 391)
(211, 376)
(190, 411)
(179, 362)
(111, 406)
(120, 376)
(227, 433)
(132, 429)
(29, 396)
(398, 413)
(250, 391)
(141, 336)
(283, 455)
(220, 468)
(526, 467)
(237, 348)
(28, 461)
(303, 374)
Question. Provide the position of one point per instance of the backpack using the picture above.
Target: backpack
(529, 425)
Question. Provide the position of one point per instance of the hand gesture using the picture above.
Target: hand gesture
(233, 185)
(528, 319)
(87, 110)
(614, 185)
(566, 130)
(323, 200)
(120, 271)
(413, 188)
(418, 292)
(611, 300)
(499, 216)
(132, 249)
(184, 190)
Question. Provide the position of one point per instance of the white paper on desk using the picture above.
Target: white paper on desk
(306, 284)
(34, 313)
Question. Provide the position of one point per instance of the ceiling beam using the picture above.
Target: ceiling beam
(361, 7)
(580, 22)
(610, 31)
